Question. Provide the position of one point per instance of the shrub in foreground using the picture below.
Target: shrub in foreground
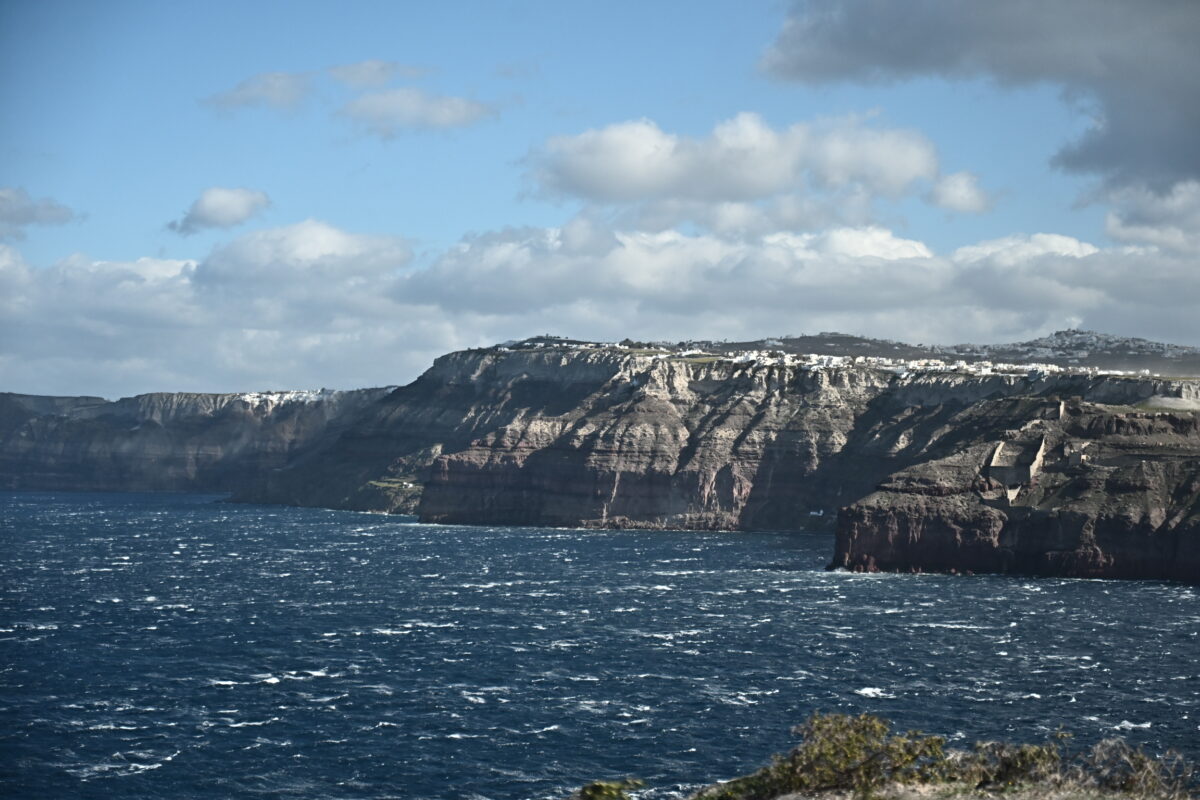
(860, 757)
(840, 752)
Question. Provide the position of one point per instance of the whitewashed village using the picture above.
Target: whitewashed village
(1070, 346)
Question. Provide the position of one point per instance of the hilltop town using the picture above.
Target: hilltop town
(1069, 352)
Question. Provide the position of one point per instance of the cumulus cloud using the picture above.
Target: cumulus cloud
(374, 72)
(220, 207)
(278, 90)
(742, 159)
(386, 113)
(1131, 59)
(1012, 250)
(305, 254)
(18, 210)
(300, 306)
(960, 191)
(309, 304)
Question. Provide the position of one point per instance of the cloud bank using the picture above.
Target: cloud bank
(742, 159)
(747, 177)
(309, 304)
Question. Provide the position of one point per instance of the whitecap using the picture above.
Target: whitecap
(873, 691)
(252, 724)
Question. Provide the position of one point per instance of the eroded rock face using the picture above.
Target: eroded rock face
(1116, 495)
(162, 442)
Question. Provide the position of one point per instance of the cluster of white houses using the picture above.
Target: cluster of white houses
(905, 366)
(817, 361)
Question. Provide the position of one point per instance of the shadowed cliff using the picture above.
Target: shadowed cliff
(163, 441)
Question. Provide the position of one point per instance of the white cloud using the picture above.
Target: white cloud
(305, 254)
(870, 243)
(375, 72)
(1013, 250)
(742, 159)
(18, 210)
(960, 191)
(387, 113)
(279, 90)
(309, 304)
(1170, 219)
(220, 207)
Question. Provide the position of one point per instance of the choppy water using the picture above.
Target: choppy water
(165, 646)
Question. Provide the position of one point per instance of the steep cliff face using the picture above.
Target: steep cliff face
(662, 443)
(1102, 491)
(377, 463)
(153, 442)
(696, 443)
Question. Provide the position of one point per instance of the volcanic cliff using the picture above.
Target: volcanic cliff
(163, 441)
(946, 468)
(931, 470)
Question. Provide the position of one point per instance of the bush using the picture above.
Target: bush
(999, 765)
(860, 756)
(840, 752)
(1116, 766)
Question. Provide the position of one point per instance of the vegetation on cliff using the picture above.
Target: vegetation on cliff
(859, 757)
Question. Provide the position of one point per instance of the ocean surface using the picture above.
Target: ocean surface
(170, 646)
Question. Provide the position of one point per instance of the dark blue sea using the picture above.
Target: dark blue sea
(170, 646)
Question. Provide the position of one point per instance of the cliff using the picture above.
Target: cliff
(935, 469)
(164, 441)
(1070, 488)
(1057, 474)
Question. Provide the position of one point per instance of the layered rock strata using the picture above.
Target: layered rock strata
(164, 441)
(1071, 488)
(1066, 474)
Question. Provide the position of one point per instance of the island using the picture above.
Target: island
(1074, 455)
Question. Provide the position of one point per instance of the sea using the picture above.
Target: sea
(175, 646)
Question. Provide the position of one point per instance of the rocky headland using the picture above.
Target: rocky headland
(917, 465)
(163, 441)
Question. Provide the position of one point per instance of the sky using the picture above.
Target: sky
(227, 196)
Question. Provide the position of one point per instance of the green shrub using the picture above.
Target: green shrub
(1114, 765)
(860, 756)
(999, 765)
(841, 752)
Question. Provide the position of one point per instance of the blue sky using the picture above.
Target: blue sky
(218, 196)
